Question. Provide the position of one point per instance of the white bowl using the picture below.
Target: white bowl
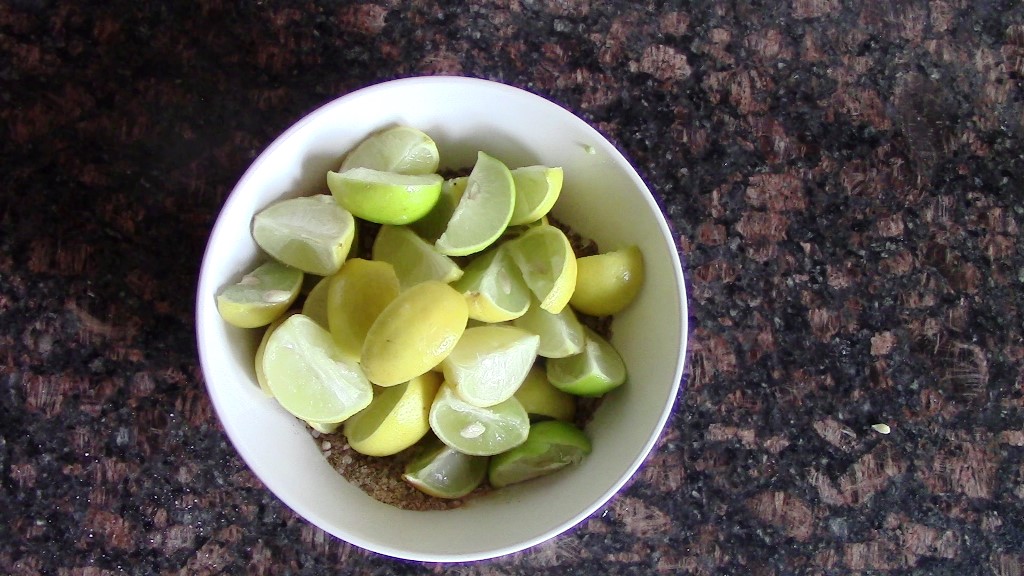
(603, 198)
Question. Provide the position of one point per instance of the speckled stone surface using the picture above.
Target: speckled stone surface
(846, 180)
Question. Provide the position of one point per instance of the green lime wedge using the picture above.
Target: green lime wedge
(560, 334)
(489, 363)
(551, 446)
(593, 372)
(483, 211)
(474, 430)
(444, 472)
(401, 149)
(537, 190)
(547, 262)
(385, 197)
(260, 296)
(307, 375)
(493, 287)
(311, 233)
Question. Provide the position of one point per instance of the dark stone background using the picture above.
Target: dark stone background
(845, 179)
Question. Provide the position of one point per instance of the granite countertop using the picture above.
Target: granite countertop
(846, 181)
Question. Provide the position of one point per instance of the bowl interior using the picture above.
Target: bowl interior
(603, 198)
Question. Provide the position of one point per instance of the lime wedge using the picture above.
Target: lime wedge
(548, 265)
(489, 363)
(551, 445)
(414, 333)
(483, 211)
(493, 287)
(444, 472)
(396, 419)
(607, 283)
(413, 258)
(401, 149)
(592, 372)
(385, 197)
(474, 430)
(306, 374)
(356, 295)
(560, 334)
(315, 304)
(260, 296)
(540, 399)
(431, 226)
(537, 190)
(311, 233)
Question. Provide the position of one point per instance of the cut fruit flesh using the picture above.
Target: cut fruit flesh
(595, 371)
(413, 258)
(261, 296)
(311, 233)
(474, 430)
(483, 211)
(444, 472)
(493, 287)
(401, 149)
(489, 363)
(307, 375)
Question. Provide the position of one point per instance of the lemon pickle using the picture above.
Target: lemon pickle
(457, 337)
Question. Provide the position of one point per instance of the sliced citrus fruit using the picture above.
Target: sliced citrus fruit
(606, 283)
(483, 211)
(493, 287)
(260, 296)
(414, 259)
(401, 149)
(560, 334)
(537, 190)
(539, 398)
(414, 333)
(551, 445)
(489, 363)
(356, 295)
(396, 419)
(385, 197)
(315, 304)
(592, 372)
(474, 430)
(311, 233)
(431, 226)
(307, 375)
(261, 378)
(441, 471)
(548, 265)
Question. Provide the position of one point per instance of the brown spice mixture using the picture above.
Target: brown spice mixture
(381, 477)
